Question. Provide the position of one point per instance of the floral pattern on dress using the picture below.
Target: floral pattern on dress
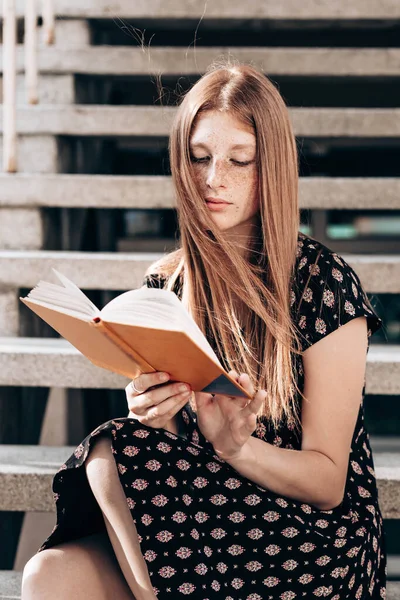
(208, 533)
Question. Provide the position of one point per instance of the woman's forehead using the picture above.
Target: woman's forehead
(213, 126)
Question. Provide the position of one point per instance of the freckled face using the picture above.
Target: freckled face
(223, 155)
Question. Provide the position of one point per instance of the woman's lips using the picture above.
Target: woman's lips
(216, 205)
(217, 200)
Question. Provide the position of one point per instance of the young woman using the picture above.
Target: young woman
(213, 497)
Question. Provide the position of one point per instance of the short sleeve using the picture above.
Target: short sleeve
(331, 295)
(158, 280)
(154, 280)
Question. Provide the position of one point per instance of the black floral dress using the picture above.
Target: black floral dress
(205, 531)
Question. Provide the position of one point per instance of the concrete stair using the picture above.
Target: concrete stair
(267, 9)
(54, 362)
(124, 121)
(301, 62)
(118, 271)
(156, 192)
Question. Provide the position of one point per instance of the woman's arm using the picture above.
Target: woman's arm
(334, 371)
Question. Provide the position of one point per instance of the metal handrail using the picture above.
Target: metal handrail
(30, 44)
(9, 87)
(31, 68)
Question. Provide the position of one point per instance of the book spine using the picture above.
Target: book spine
(140, 362)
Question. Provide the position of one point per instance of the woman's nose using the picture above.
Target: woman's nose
(215, 175)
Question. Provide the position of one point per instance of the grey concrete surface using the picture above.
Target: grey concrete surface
(53, 89)
(286, 9)
(26, 474)
(55, 363)
(120, 60)
(36, 154)
(21, 228)
(122, 121)
(70, 33)
(9, 313)
(119, 271)
(91, 270)
(146, 191)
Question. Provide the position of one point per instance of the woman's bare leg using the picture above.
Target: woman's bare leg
(103, 478)
(85, 569)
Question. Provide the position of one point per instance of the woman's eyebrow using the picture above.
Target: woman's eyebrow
(234, 147)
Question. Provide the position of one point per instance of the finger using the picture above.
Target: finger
(255, 403)
(139, 404)
(245, 381)
(234, 374)
(166, 410)
(147, 380)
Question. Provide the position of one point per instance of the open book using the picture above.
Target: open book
(140, 331)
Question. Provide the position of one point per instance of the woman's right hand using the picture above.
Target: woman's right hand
(158, 402)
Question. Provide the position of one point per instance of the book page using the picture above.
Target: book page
(68, 297)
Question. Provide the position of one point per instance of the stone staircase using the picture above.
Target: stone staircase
(61, 176)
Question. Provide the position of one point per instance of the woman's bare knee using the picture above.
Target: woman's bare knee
(85, 569)
(37, 575)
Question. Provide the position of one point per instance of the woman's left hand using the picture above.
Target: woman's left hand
(227, 422)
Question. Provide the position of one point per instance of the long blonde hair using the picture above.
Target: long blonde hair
(218, 282)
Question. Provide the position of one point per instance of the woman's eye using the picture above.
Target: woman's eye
(205, 158)
(195, 159)
(242, 164)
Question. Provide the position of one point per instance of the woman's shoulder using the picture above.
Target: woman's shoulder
(310, 250)
(316, 262)
(326, 292)
(158, 274)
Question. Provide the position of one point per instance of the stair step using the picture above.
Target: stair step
(155, 192)
(120, 60)
(115, 121)
(54, 362)
(257, 9)
(26, 474)
(10, 585)
(90, 270)
(121, 271)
